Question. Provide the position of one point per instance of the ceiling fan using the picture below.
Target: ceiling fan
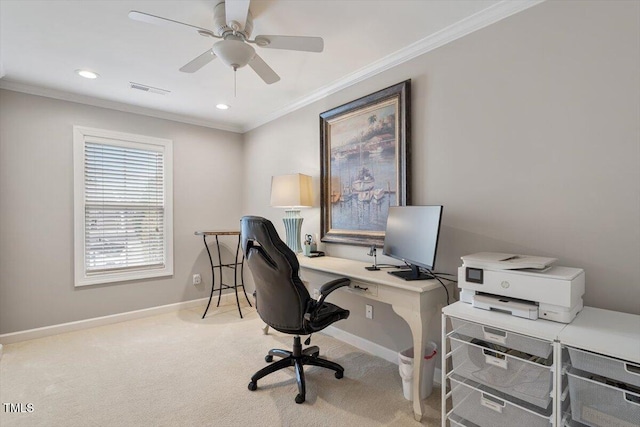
(233, 23)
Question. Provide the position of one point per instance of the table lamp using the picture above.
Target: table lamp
(292, 192)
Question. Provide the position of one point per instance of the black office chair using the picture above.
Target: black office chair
(284, 303)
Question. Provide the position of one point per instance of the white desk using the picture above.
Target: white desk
(411, 300)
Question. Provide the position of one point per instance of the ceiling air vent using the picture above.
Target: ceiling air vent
(145, 88)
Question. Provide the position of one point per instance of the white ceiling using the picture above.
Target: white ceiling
(43, 42)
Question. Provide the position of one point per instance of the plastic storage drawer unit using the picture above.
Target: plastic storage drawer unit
(501, 337)
(523, 379)
(487, 410)
(598, 404)
(609, 367)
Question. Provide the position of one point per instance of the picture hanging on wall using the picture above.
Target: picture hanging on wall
(364, 165)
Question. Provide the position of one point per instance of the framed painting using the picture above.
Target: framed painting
(364, 165)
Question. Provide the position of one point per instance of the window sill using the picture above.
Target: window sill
(106, 278)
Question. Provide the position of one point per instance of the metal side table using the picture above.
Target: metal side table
(232, 265)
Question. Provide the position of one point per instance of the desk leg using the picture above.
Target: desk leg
(235, 277)
(219, 271)
(242, 280)
(213, 279)
(419, 327)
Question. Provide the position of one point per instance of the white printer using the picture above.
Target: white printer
(525, 286)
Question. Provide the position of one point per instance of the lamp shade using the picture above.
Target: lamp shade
(291, 191)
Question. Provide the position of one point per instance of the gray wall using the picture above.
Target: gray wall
(526, 131)
(36, 210)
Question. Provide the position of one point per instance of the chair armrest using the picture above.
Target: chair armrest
(325, 290)
(331, 286)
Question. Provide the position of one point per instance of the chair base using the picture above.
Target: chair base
(296, 358)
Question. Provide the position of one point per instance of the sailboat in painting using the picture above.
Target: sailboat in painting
(364, 181)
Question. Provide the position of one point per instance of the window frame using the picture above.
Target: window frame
(121, 139)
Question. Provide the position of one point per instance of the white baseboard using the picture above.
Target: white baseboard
(363, 344)
(370, 347)
(99, 321)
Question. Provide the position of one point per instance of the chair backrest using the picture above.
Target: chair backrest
(281, 297)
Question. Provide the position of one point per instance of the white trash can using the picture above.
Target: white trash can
(405, 363)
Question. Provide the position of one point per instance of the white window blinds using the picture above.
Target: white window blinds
(123, 206)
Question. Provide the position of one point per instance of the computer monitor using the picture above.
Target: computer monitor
(412, 236)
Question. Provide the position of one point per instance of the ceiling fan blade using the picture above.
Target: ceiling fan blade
(236, 11)
(158, 20)
(263, 70)
(199, 62)
(306, 44)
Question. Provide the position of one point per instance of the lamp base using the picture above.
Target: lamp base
(293, 226)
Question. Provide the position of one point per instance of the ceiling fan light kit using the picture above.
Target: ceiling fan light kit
(234, 53)
(233, 24)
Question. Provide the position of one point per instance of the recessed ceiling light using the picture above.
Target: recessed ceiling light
(87, 74)
(222, 107)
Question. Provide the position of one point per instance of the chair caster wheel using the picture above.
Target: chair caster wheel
(339, 374)
(268, 358)
(299, 398)
(252, 386)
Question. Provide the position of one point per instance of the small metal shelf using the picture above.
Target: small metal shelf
(238, 264)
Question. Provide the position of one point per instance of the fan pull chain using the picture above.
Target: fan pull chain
(235, 84)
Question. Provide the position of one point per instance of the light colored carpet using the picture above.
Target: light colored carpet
(178, 370)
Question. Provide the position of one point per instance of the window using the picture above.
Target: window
(123, 210)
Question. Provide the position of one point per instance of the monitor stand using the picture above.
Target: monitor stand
(413, 274)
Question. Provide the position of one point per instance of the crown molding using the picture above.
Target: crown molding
(113, 105)
(484, 18)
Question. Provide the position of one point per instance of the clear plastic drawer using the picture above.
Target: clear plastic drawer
(597, 404)
(455, 421)
(606, 366)
(523, 379)
(501, 337)
(485, 409)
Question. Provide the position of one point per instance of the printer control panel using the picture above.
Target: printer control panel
(474, 275)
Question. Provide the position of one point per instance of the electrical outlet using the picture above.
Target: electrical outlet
(368, 311)
(197, 279)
